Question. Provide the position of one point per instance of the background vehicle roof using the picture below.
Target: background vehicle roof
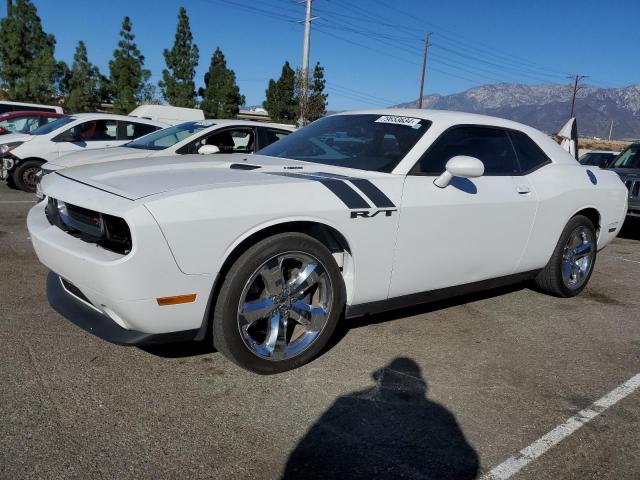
(30, 113)
(113, 116)
(232, 122)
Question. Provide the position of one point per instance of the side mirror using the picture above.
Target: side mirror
(460, 166)
(208, 150)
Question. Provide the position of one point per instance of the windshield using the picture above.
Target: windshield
(52, 126)
(169, 136)
(630, 158)
(20, 124)
(598, 159)
(365, 142)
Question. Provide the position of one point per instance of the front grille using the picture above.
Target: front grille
(111, 233)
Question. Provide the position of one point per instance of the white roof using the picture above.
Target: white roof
(112, 116)
(232, 122)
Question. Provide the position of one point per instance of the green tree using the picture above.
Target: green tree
(317, 99)
(221, 96)
(281, 101)
(28, 69)
(177, 83)
(83, 83)
(128, 77)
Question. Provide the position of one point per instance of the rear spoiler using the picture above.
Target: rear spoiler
(568, 135)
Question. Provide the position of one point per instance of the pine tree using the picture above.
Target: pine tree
(28, 69)
(83, 83)
(221, 96)
(281, 102)
(317, 99)
(177, 83)
(128, 77)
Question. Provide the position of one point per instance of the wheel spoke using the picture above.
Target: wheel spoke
(276, 342)
(273, 277)
(583, 250)
(307, 277)
(310, 317)
(255, 310)
(566, 269)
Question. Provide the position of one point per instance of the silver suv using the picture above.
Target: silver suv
(627, 165)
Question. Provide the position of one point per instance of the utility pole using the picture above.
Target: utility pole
(611, 129)
(424, 69)
(9, 7)
(305, 65)
(576, 88)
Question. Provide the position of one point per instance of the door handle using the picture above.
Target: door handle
(523, 190)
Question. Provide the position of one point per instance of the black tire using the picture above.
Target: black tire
(550, 279)
(24, 175)
(226, 332)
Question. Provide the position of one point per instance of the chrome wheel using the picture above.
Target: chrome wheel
(577, 257)
(285, 305)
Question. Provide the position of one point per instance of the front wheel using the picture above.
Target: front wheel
(25, 175)
(573, 259)
(279, 304)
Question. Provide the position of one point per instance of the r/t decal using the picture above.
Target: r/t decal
(371, 214)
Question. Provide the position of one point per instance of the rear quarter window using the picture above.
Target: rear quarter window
(530, 155)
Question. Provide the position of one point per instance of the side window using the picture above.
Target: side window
(45, 120)
(133, 130)
(233, 140)
(530, 155)
(96, 130)
(490, 145)
(271, 135)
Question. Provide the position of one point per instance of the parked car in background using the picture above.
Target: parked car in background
(23, 154)
(167, 113)
(358, 212)
(627, 166)
(204, 137)
(598, 158)
(6, 106)
(25, 122)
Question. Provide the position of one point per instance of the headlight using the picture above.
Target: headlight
(7, 147)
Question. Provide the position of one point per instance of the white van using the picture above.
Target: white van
(6, 106)
(168, 114)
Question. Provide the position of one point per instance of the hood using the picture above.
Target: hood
(139, 178)
(15, 137)
(100, 155)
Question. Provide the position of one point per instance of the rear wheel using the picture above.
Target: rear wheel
(25, 175)
(279, 304)
(572, 262)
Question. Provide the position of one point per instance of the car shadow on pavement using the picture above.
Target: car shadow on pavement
(181, 350)
(631, 229)
(391, 430)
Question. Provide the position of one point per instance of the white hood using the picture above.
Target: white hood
(15, 137)
(99, 155)
(135, 179)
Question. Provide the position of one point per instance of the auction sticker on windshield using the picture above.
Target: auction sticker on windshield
(408, 121)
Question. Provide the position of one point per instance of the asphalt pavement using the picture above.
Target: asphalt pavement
(445, 390)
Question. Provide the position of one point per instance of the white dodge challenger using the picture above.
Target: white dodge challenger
(357, 213)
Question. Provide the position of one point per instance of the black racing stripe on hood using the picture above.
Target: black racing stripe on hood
(377, 196)
(339, 188)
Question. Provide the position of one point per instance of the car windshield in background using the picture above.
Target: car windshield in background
(630, 158)
(169, 136)
(598, 159)
(52, 126)
(365, 142)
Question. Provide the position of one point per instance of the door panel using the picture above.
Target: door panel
(472, 230)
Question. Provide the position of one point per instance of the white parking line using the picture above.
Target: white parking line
(627, 260)
(524, 457)
(18, 201)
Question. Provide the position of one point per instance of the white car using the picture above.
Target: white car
(226, 136)
(356, 213)
(23, 154)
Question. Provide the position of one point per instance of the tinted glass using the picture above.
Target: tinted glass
(135, 130)
(96, 130)
(530, 155)
(271, 135)
(630, 158)
(352, 141)
(52, 126)
(490, 145)
(20, 125)
(168, 137)
(597, 159)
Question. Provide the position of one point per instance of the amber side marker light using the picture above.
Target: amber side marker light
(178, 299)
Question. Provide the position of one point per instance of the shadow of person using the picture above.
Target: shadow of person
(388, 431)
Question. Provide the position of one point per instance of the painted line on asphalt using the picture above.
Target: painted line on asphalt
(627, 260)
(524, 457)
(18, 201)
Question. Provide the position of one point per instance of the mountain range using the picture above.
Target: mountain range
(547, 107)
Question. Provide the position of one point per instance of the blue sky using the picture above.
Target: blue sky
(371, 49)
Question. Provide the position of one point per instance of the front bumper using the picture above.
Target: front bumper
(79, 312)
(6, 166)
